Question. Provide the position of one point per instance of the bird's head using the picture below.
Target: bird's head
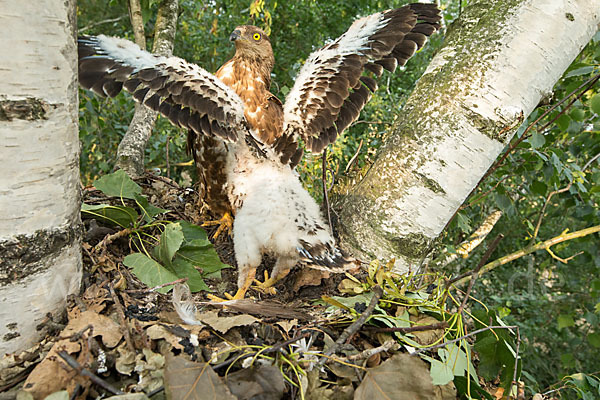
(251, 41)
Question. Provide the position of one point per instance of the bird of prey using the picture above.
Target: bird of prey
(246, 142)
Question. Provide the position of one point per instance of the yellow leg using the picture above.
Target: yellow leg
(267, 285)
(225, 224)
(241, 292)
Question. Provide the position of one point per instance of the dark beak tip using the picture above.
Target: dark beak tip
(235, 35)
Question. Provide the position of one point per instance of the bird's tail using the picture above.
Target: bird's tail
(326, 258)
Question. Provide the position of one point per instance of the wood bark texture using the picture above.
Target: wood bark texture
(40, 249)
(498, 60)
(130, 154)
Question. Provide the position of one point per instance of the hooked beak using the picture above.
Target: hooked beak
(235, 35)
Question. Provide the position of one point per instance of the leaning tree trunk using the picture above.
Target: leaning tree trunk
(40, 259)
(498, 60)
(130, 154)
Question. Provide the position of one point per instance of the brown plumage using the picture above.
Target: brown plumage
(245, 143)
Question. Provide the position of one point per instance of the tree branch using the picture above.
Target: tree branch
(540, 246)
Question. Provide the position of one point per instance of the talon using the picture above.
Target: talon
(225, 223)
(267, 285)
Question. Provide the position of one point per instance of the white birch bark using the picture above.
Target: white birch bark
(40, 259)
(498, 60)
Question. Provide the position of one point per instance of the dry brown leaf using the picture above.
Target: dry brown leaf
(223, 324)
(309, 277)
(103, 326)
(52, 374)
(401, 377)
(287, 325)
(156, 332)
(150, 367)
(185, 379)
(125, 362)
(499, 393)
(426, 338)
(95, 298)
(264, 382)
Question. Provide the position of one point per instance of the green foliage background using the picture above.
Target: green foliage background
(557, 304)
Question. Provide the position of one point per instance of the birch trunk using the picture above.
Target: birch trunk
(498, 60)
(40, 259)
(130, 154)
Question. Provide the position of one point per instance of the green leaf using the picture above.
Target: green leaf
(565, 321)
(184, 269)
(149, 271)
(198, 251)
(170, 241)
(577, 114)
(118, 184)
(194, 234)
(503, 202)
(463, 222)
(595, 103)
(568, 360)
(148, 210)
(594, 339)
(470, 389)
(441, 373)
(580, 71)
(563, 122)
(536, 140)
(539, 188)
(117, 215)
(495, 350)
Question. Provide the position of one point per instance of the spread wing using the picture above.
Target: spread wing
(188, 95)
(331, 88)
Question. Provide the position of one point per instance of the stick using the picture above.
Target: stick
(475, 272)
(272, 349)
(458, 339)
(325, 195)
(71, 362)
(355, 326)
(408, 329)
(122, 320)
(540, 246)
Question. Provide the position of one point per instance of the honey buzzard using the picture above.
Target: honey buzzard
(245, 141)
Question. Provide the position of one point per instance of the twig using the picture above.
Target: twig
(555, 192)
(181, 280)
(85, 372)
(482, 195)
(408, 329)
(325, 195)
(108, 239)
(458, 339)
(122, 320)
(167, 157)
(588, 84)
(540, 246)
(514, 380)
(476, 238)
(524, 136)
(105, 21)
(354, 157)
(272, 349)
(386, 346)
(475, 272)
(355, 326)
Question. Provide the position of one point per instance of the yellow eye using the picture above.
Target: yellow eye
(256, 36)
